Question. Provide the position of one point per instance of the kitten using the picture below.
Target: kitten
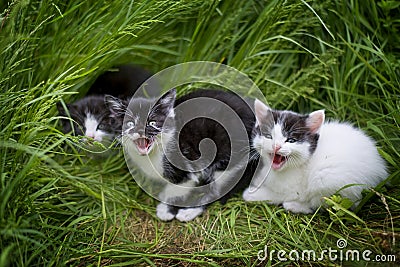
(90, 117)
(304, 159)
(150, 136)
(141, 132)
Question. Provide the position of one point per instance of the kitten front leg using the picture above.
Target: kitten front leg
(166, 212)
(255, 194)
(258, 189)
(188, 214)
(262, 194)
(297, 207)
(178, 187)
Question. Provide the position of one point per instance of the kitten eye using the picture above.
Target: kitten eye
(268, 136)
(130, 124)
(291, 140)
(152, 123)
(101, 126)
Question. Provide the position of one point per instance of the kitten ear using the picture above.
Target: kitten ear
(263, 112)
(168, 98)
(167, 102)
(315, 120)
(115, 105)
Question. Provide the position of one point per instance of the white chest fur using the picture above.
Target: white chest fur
(276, 187)
(150, 165)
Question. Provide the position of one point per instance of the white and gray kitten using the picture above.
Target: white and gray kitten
(305, 159)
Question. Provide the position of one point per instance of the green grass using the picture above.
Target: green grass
(60, 206)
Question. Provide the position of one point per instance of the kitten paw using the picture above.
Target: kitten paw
(253, 194)
(188, 214)
(297, 207)
(164, 212)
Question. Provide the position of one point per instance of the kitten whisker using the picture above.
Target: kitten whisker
(254, 156)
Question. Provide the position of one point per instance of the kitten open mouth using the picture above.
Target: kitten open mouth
(144, 145)
(278, 161)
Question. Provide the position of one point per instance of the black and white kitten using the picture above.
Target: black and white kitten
(89, 116)
(304, 159)
(158, 132)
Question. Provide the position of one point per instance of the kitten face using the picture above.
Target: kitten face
(145, 122)
(90, 117)
(286, 139)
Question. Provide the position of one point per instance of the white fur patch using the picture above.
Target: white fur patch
(297, 207)
(90, 125)
(188, 214)
(91, 131)
(172, 191)
(151, 165)
(163, 212)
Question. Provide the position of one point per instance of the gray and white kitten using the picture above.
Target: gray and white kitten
(305, 159)
(157, 131)
(89, 116)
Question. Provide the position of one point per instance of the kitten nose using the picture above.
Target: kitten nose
(276, 148)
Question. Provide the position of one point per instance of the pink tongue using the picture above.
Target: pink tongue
(142, 143)
(278, 161)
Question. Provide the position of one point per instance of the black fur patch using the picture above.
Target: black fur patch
(198, 129)
(121, 81)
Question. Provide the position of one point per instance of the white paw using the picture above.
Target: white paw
(188, 214)
(297, 207)
(164, 213)
(253, 194)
